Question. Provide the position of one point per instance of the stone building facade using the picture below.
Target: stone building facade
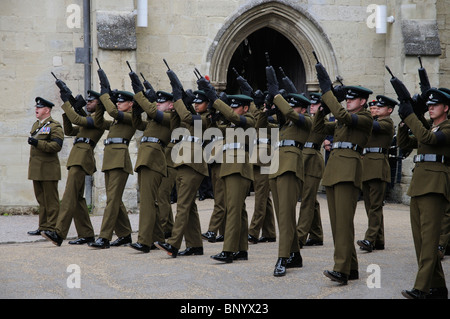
(65, 37)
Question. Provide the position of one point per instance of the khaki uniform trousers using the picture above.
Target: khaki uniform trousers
(217, 220)
(164, 205)
(309, 220)
(286, 189)
(263, 216)
(150, 229)
(444, 239)
(187, 221)
(73, 206)
(373, 194)
(115, 217)
(47, 196)
(236, 226)
(342, 199)
(427, 212)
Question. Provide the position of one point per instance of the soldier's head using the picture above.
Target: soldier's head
(298, 102)
(438, 105)
(384, 106)
(200, 101)
(373, 107)
(356, 98)
(240, 103)
(164, 101)
(92, 100)
(43, 108)
(316, 101)
(124, 101)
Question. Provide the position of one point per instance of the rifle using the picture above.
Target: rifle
(150, 92)
(246, 89)
(77, 102)
(272, 78)
(400, 89)
(187, 100)
(287, 83)
(424, 81)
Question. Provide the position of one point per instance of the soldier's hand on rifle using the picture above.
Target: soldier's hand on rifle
(177, 90)
(325, 83)
(259, 98)
(136, 82)
(104, 82)
(272, 86)
(65, 95)
(405, 109)
(339, 92)
(151, 95)
(210, 91)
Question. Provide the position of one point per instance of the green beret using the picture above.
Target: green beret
(40, 102)
(239, 100)
(298, 100)
(436, 96)
(163, 96)
(385, 101)
(123, 96)
(315, 97)
(354, 92)
(200, 96)
(92, 95)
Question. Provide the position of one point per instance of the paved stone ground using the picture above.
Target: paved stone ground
(33, 268)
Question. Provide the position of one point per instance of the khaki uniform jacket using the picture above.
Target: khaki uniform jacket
(313, 160)
(240, 163)
(44, 162)
(376, 165)
(428, 177)
(262, 150)
(115, 155)
(150, 154)
(344, 165)
(81, 154)
(188, 122)
(297, 127)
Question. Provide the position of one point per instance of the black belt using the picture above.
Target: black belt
(312, 145)
(86, 140)
(283, 143)
(431, 158)
(235, 146)
(262, 141)
(375, 150)
(348, 145)
(116, 140)
(149, 139)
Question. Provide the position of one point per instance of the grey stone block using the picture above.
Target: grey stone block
(116, 30)
(421, 37)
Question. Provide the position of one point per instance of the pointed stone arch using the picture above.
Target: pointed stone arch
(293, 21)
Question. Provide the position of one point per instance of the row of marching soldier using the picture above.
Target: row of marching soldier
(357, 163)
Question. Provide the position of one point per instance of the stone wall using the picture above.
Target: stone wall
(36, 42)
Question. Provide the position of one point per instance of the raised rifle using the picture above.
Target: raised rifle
(287, 83)
(399, 88)
(77, 102)
(187, 99)
(246, 89)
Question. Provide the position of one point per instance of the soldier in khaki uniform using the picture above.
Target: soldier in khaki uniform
(429, 189)
(191, 170)
(117, 164)
(263, 218)
(342, 177)
(309, 224)
(286, 177)
(236, 171)
(46, 140)
(377, 171)
(81, 162)
(151, 164)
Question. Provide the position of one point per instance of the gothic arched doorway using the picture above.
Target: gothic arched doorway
(291, 25)
(249, 60)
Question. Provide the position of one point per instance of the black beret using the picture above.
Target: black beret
(92, 95)
(40, 102)
(435, 96)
